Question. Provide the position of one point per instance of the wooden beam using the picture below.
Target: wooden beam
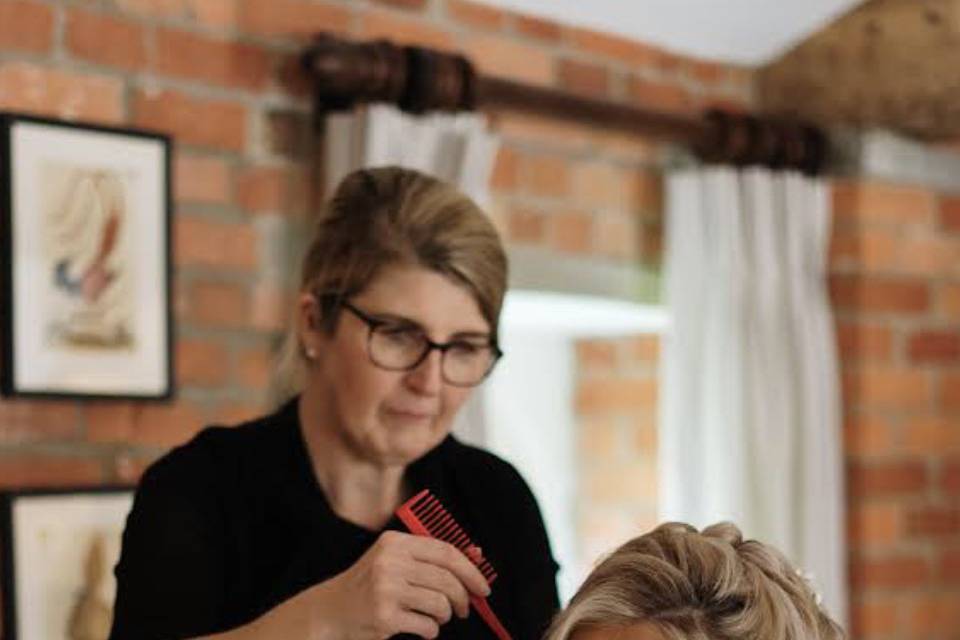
(417, 79)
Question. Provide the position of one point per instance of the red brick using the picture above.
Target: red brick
(475, 15)
(659, 96)
(931, 614)
(874, 525)
(517, 126)
(272, 190)
(504, 170)
(216, 244)
(950, 214)
(929, 256)
(880, 479)
(256, 368)
(901, 571)
(30, 470)
(402, 30)
(949, 391)
(25, 26)
(166, 425)
(213, 13)
(949, 565)
(867, 436)
(887, 388)
(128, 468)
(201, 179)
(86, 33)
(931, 436)
(538, 28)
(596, 355)
(213, 61)
(61, 94)
(194, 121)
(148, 424)
(109, 421)
(874, 618)
(934, 346)
(869, 293)
(950, 478)
(23, 420)
(616, 237)
(302, 18)
(872, 250)
(864, 342)
(605, 396)
(218, 304)
(631, 52)
(934, 521)
(948, 301)
(882, 202)
(644, 349)
(587, 79)
(620, 484)
(526, 226)
(201, 362)
(508, 58)
(707, 72)
(544, 175)
(571, 231)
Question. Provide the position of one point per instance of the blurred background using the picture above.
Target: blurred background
(581, 401)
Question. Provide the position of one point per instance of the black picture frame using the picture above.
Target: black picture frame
(85, 260)
(48, 569)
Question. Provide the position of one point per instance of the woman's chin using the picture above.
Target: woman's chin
(407, 440)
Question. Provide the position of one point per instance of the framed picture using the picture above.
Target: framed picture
(59, 551)
(85, 259)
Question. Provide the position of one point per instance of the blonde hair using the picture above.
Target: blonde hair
(690, 585)
(389, 216)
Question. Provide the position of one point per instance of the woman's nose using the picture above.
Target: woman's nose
(427, 377)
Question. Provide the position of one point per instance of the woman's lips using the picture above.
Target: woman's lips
(411, 415)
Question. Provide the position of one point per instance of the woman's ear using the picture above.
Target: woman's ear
(309, 324)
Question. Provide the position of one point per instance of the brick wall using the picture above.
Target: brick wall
(221, 76)
(895, 282)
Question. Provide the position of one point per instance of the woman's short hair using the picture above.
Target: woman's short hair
(388, 216)
(691, 585)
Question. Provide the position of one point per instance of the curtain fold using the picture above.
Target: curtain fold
(458, 148)
(750, 400)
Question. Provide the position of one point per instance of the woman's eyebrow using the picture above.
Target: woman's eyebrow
(403, 320)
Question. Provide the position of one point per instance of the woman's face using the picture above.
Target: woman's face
(394, 417)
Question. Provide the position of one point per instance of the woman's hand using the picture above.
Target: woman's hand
(402, 584)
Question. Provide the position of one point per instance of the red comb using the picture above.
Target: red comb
(424, 515)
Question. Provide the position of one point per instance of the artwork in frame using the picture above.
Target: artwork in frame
(59, 551)
(85, 298)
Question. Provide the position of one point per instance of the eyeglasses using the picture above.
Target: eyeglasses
(396, 345)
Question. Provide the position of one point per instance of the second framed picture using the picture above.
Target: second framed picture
(86, 260)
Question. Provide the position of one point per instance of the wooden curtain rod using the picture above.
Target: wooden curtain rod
(418, 79)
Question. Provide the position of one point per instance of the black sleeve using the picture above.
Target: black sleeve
(536, 597)
(170, 577)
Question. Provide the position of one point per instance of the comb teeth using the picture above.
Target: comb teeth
(441, 525)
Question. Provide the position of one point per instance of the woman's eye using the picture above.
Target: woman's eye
(465, 349)
(401, 335)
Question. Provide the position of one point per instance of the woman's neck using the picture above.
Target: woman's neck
(359, 490)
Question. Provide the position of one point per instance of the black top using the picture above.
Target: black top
(233, 523)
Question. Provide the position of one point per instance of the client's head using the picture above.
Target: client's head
(676, 583)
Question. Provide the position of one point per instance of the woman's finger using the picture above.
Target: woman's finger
(450, 558)
(430, 576)
(418, 624)
(427, 602)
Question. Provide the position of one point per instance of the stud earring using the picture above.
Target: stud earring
(311, 353)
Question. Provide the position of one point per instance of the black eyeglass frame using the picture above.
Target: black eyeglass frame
(374, 323)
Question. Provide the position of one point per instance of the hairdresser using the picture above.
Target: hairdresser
(283, 527)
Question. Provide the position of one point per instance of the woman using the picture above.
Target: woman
(283, 527)
(676, 583)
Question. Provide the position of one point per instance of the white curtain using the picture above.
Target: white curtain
(458, 149)
(750, 401)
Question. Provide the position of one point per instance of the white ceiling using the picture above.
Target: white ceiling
(750, 32)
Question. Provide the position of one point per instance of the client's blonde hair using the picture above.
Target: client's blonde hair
(690, 585)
